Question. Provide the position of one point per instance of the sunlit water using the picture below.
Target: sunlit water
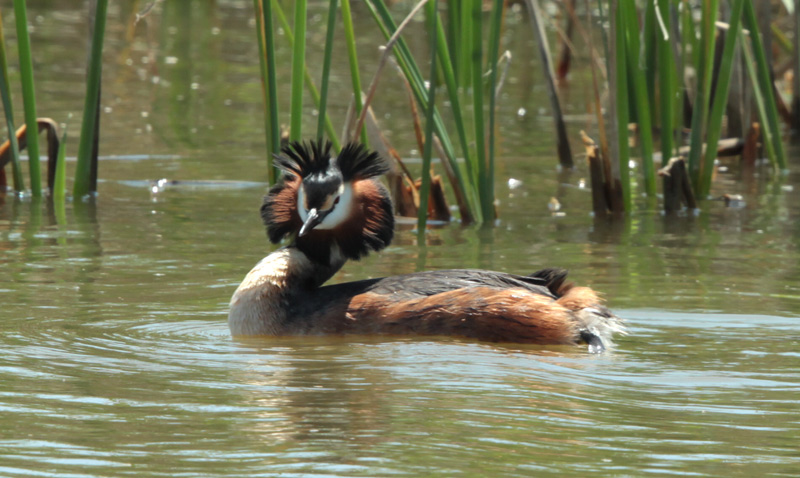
(115, 358)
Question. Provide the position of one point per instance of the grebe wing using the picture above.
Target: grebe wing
(428, 283)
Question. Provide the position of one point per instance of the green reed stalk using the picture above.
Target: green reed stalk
(758, 97)
(326, 67)
(649, 56)
(28, 95)
(486, 203)
(276, 7)
(447, 69)
(641, 99)
(493, 52)
(298, 67)
(693, 40)
(453, 33)
(720, 99)
(355, 77)
(667, 81)
(8, 107)
(82, 187)
(258, 7)
(412, 73)
(466, 30)
(427, 150)
(60, 182)
(796, 63)
(765, 83)
(701, 99)
(620, 66)
(266, 44)
(274, 144)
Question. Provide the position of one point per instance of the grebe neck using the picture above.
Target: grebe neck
(260, 304)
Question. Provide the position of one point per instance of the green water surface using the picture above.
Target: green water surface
(115, 357)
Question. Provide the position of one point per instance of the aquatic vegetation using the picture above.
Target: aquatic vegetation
(659, 64)
(86, 170)
(28, 94)
(471, 180)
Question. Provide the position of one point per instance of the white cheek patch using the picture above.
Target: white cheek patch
(301, 204)
(337, 216)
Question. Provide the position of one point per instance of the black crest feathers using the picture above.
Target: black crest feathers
(302, 160)
(355, 161)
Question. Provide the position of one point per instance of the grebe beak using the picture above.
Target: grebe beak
(314, 218)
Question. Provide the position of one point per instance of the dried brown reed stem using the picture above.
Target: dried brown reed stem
(565, 57)
(750, 151)
(597, 176)
(677, 188)
(53, 141)
(562, 142)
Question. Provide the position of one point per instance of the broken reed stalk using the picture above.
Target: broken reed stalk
(599, 186)
(82, 185)
(562, 142)
(20, 139)
(750, 148)
(677, 188)
(461, 201)
(28, 94)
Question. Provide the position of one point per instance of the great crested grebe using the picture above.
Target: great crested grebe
(334, 209)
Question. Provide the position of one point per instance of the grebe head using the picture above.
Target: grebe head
(327, 202)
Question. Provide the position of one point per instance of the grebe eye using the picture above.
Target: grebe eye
(336, 201)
